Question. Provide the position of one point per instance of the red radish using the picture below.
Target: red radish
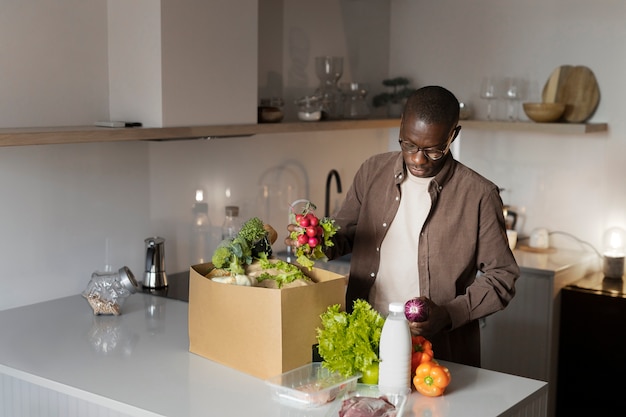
(416, 310)
(311, 231)
(305, 222)
(313, 242)
(303, 240)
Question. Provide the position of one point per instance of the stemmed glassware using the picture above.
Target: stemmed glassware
(329, 70)
(512, 94)
(488, 92)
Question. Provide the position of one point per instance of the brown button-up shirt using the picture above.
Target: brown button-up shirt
(464, 260)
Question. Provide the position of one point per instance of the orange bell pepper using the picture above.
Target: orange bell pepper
(431, 379)
(422, 352)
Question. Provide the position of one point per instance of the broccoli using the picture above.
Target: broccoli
(232, 255)
(251, 240)
(252, 230)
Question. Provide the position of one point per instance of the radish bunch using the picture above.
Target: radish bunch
(312, 234)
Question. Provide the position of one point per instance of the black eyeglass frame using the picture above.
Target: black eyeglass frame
(412, 149)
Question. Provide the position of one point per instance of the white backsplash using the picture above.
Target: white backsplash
(63, 204)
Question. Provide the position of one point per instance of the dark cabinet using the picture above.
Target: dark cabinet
(592, 348)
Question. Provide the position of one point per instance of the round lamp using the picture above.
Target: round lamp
(614, 252)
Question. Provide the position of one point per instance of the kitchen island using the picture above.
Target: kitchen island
(58, 359)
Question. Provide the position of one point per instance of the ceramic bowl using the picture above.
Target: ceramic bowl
(544, 112)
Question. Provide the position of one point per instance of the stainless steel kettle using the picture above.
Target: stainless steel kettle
(510, 217)
(155, 276)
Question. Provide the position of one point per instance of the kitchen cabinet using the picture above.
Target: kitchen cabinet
(184, 62)
(57, 358)
(523, 339)
(162, 63)
(593, 312)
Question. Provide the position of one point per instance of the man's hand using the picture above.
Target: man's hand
(288, 240)
(438, 321)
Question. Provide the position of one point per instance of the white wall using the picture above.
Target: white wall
(60, 203)
(568, 183)
(63, 205)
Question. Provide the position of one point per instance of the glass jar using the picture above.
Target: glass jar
(270, 110)
(309, 108)
(107, 290)
(355, 102)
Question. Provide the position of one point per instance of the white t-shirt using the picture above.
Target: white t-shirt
(398, 275)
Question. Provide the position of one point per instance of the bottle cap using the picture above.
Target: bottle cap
(396, 307)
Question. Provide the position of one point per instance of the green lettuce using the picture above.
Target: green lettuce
(349, 343)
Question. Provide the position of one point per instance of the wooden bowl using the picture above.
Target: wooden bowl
(544, 112)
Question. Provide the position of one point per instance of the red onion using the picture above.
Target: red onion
(416, 310)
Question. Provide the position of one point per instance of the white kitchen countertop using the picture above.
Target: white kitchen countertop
(138, 364)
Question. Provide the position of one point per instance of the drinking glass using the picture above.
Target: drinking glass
(489, 93)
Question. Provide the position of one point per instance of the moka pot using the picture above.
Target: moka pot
(155, 276)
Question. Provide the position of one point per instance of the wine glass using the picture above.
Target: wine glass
(512, 94)
(329, 70)
(488, 92)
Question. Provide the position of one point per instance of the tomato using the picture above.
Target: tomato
(311, 231)
(313, 242)
(370, 374)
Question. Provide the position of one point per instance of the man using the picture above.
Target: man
(419, 223)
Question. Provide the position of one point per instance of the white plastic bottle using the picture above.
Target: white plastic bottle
(394, 374)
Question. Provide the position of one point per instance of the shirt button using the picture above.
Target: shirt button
(377, 249)
(397, 198)
(384, 224)
(372, 275)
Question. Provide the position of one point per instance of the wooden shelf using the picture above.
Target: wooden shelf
(82, 134)
(560, 128)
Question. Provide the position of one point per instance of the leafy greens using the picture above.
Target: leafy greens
(349, 343)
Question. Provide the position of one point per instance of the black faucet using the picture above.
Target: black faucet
(331, 174)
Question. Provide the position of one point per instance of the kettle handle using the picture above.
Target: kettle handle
(514, 216)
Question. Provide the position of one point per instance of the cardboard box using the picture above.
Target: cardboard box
(260, 331)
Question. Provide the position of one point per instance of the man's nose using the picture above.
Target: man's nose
(419, 157)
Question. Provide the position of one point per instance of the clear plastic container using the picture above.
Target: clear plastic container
(107, 290)
(398, 398)
(311, 385)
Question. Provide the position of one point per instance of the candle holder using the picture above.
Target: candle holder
(614, 252)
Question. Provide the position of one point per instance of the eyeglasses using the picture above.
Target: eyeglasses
(433, 154)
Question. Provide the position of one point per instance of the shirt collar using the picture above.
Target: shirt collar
(399, 170)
